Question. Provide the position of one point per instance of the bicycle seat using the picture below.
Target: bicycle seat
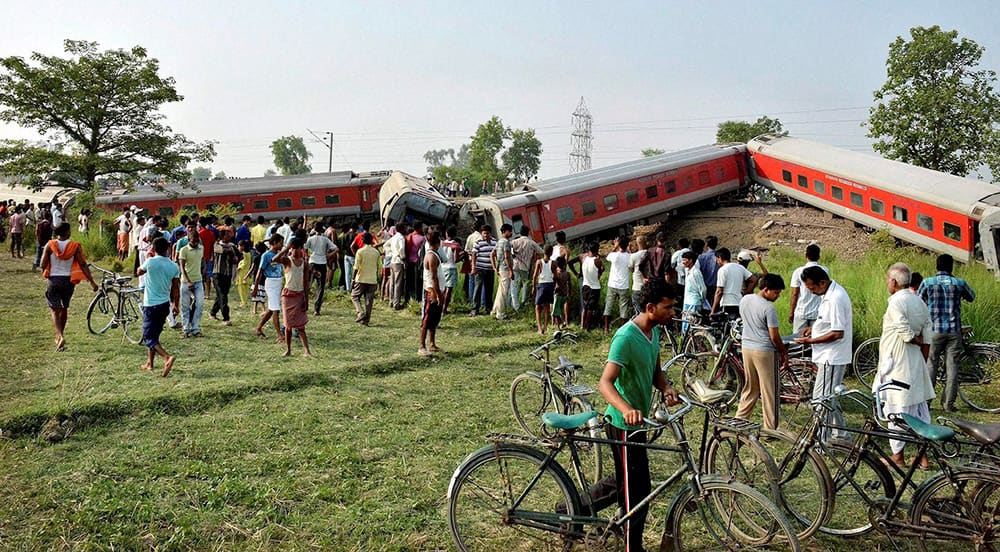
(986, 434)
(571, 421)
(926, 430)
(121, 280)
(564, 363)
(705, 394)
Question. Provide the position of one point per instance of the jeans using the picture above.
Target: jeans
(223, 284)
(520, 288)
(348, 269)
(192, 305)
(482, 291)
(319, 274)
(948, 346)
(38, 255)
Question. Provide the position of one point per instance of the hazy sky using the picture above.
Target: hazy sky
(394, 79)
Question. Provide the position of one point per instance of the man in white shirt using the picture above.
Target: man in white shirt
(676, 261)
(526, 252)
(618, 282)
(729, 283)
(395, 250)
(804, 305)
(694, 290)
(321, 253)
(633, 265)
(903, 350)
(831, 337)
(124, 223)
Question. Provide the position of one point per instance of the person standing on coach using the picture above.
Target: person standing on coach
(63, 265)
(944, 294)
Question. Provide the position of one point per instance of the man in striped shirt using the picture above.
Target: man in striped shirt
(482, 272)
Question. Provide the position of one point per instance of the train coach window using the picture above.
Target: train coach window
(632, 196)
(564, 214)
(332, 200)
(877, 207)
(189, 208)
(212, 206)
(238, 205)
(284, 203)
(952, 232)
(652, 192)
(688, 183)
(837, 192)
(900, 214)
(670, 186)
(786, 176)
(588, 208)
(166, 211)
(517, 221)
(803, 181)
(308, 201)
(533, 217)
(857, 200)
(819, 186)
(261, 205)
(704, 177)
(610, 202)
(925, 222)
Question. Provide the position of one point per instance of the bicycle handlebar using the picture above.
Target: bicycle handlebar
(556, 338)
(661, 417)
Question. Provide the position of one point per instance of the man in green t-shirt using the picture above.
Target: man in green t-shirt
(631, 373)
(191, 258)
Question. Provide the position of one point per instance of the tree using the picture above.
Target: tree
(651, 152)
(936, 109)
(221, 175)
(521, 160)
(439, 158)
(270, 172)
(485, 148)
(98, 113)
(201, 173)
(291, 155)
(743, 132)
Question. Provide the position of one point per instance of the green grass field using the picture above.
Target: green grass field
(241, 449)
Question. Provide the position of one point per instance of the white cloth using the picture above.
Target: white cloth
(285, 232)
(395, 248)
(676, 261)
(919, 411)
(591, 276)
(618, 274)
(124, 224)
(57, 266)
(695, 288)
(835, 315)
(905, 318)
(545, 275)
(319, 246)
(807, 305)
(272, 287)
(730, 278)
(633, 265)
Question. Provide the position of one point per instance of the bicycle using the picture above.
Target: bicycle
(116, 305)
(951, 505)
(697, 338)
(978, 370)
(513, 495)
(532, 394)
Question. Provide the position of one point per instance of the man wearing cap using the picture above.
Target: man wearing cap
(730, 279)
(744, 257)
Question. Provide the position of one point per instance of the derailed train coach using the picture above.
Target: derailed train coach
(639, 191)
(934, 210)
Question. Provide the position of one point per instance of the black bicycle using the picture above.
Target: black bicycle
(116, 305)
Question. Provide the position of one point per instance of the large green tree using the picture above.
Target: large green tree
(291, 155)
(743, 131)
(98, 115)
(523, 157)
(201, 173)
(937, 108)
(485, 148)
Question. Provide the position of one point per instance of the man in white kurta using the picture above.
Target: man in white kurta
(906, 333)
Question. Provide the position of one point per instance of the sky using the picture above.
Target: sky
(392, 80)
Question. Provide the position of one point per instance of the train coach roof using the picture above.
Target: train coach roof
(247, 186)
(949, 191)
(612, 174)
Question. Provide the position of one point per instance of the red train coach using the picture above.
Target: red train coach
(937, 211)
(600, 199)
(343, 195)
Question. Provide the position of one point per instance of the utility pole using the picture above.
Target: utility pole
(581, 140)
(329, 146)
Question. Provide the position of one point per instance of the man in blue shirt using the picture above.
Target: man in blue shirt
(182, 228)
(161, 290)
(943, 294)
(708, 265)
(243, 232)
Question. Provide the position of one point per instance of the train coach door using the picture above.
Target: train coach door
(989, 235)
(535, 223)
(365, 194)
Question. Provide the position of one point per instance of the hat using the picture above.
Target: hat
(745, 255)
(134, 208)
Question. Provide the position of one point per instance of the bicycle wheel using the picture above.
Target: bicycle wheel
(965, 504)
(700, 342)
(742, 458)
(806, 487)
(529, 399)
(796, 380)
(131, 319)
(719, 375)
(866, 361)
(101, 313)
(484, 511)
(591, 454)
(979, 378)
(859, 481)
(727, 515)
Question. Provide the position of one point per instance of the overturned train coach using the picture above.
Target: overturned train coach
(934, 210)
(639, 191)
